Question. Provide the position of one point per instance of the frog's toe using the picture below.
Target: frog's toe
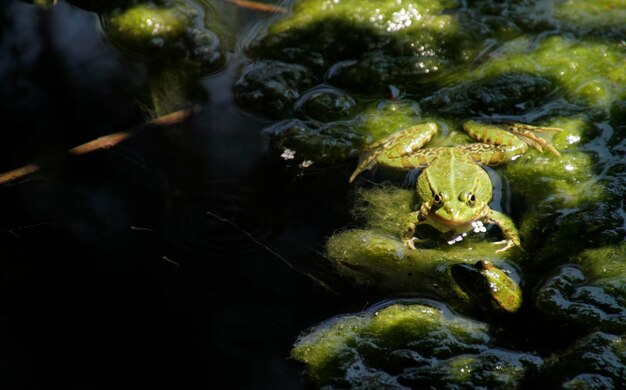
(527, 133)
(410, 243)
(508, 244)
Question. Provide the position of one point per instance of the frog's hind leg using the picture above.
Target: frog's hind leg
(504, 141)
(399, 150)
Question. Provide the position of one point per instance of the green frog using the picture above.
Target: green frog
(453, 190)
(484, 282)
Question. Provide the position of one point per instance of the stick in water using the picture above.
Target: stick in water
(104, 142)
(258, 6)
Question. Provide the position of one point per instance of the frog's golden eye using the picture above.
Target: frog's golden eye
(471, 199)
(438, 199)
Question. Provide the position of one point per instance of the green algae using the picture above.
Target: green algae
(590, 73)
(597, 361)
(599, 18)
(171, 31)
(410, 344)
(590, 295)
(338, 140)
(272, 87)
(342, 29)
(326, 104)
(176, 41)
(149, 24)
(554, 63)
(509, 92)
(512, 71)
(577, 302)
(42, 3)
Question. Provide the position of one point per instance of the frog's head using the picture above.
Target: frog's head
(454, 196)
(485, 283)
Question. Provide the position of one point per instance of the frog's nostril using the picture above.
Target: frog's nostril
(452, 212)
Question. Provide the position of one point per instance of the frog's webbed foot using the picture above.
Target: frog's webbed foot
(527, 134)
(410, 242)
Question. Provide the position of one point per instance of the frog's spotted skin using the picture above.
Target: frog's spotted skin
(485, 282)
(453, 189)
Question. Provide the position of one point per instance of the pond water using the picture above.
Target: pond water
(113, 273)
(195, 254)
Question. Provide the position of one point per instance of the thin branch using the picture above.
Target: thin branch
(104, 142)
(258, 6)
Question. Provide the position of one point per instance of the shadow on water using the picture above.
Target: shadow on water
(113, 274)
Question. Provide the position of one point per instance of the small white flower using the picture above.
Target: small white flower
(306, 163)
(288, 154)
(479, 227)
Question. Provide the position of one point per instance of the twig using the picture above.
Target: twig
(104, 142)
(258, 6)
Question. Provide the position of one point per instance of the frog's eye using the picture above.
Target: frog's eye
(471, 199)
(438, 199)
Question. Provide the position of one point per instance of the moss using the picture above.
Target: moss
(396, 345)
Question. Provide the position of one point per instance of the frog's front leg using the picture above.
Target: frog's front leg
(511, 235)
(408, 231)
(399, 150)
(504, 141)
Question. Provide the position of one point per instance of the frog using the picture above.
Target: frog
(484, 282)
(453, 188)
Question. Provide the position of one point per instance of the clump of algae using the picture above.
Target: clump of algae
(410, 343)
(172, 31)
(591, 73)
(596, 361)
(590, 295)
(336, 141)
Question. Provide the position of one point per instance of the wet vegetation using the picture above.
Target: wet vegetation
(333, 76)
(560, 64)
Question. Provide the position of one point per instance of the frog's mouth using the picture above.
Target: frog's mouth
(455, 221)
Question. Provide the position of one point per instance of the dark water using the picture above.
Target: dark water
(112, 274)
